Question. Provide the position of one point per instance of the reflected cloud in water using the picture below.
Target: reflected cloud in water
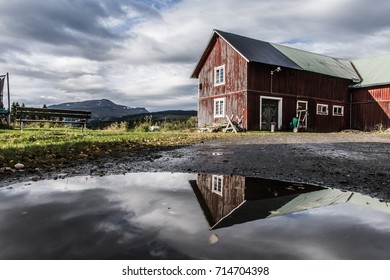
(169, 216)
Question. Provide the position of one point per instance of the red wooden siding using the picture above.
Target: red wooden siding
(233, 90)
(293, 85)
(371, 108)
(235, 71)
(232, 194)
(234, 104)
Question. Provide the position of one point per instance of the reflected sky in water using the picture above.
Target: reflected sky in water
(161, 216)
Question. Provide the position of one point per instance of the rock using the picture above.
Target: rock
(154, 128)
(60, 176)
(19, 166)
(213, 239)
(34, 178)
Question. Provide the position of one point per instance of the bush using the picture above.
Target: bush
(142, 127)
(192, 122)
(122, 126)
(167, 125)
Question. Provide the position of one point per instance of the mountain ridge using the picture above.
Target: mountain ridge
(101, 108)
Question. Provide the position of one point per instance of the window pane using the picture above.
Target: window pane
(219, 75)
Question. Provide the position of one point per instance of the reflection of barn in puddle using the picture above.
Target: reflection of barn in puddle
(229, 200)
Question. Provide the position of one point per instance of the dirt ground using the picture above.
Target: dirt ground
(349, 161)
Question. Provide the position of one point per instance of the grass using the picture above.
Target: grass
(51, 147)
(38, 147)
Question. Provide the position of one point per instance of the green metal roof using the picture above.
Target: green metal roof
(374, 70)
(318, 63)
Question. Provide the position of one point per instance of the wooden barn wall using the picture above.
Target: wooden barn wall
(234, 105)
(371, 108)
(232, 194)
(293, 85)
(233, 89)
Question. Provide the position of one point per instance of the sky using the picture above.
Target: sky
(142, 53)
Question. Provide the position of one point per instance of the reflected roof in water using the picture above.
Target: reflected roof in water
(242, 199)
(158, 216)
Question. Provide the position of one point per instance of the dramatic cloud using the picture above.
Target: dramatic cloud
(142, 53)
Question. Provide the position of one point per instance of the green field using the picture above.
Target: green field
(39, 147)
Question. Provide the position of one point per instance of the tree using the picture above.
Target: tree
(14, 110)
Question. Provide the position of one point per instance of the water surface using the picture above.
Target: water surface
(188, 216)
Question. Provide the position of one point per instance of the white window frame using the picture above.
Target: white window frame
(320, 110)
(218, 112)
(335, 109)
(219, 79)
(217, 185)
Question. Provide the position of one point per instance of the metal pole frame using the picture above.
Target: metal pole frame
(9, 101)
(2, 90)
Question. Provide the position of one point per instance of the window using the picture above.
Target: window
(338, 110)
(219, 75)
(217, 184)
(322, 109)
(219, 107)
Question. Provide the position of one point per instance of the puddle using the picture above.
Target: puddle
(188, 216)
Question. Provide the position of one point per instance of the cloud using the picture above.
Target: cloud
(135, 52)
(83, 83)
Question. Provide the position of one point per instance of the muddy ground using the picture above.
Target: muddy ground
(350, 161)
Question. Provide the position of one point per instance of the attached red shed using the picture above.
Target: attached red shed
(267, 83)
(371, 98)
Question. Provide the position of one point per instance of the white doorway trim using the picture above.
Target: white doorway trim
(280, 107)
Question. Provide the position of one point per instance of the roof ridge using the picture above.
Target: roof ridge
(283, 45)
(311, 52)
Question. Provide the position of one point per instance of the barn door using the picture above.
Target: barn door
(269, 113)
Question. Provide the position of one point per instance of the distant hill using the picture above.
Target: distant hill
(102, 109)
(170, 115)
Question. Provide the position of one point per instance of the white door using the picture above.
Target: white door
(302, 114)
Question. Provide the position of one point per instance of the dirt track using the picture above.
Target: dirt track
(358, 162)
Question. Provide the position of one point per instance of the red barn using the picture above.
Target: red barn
(266, 83)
